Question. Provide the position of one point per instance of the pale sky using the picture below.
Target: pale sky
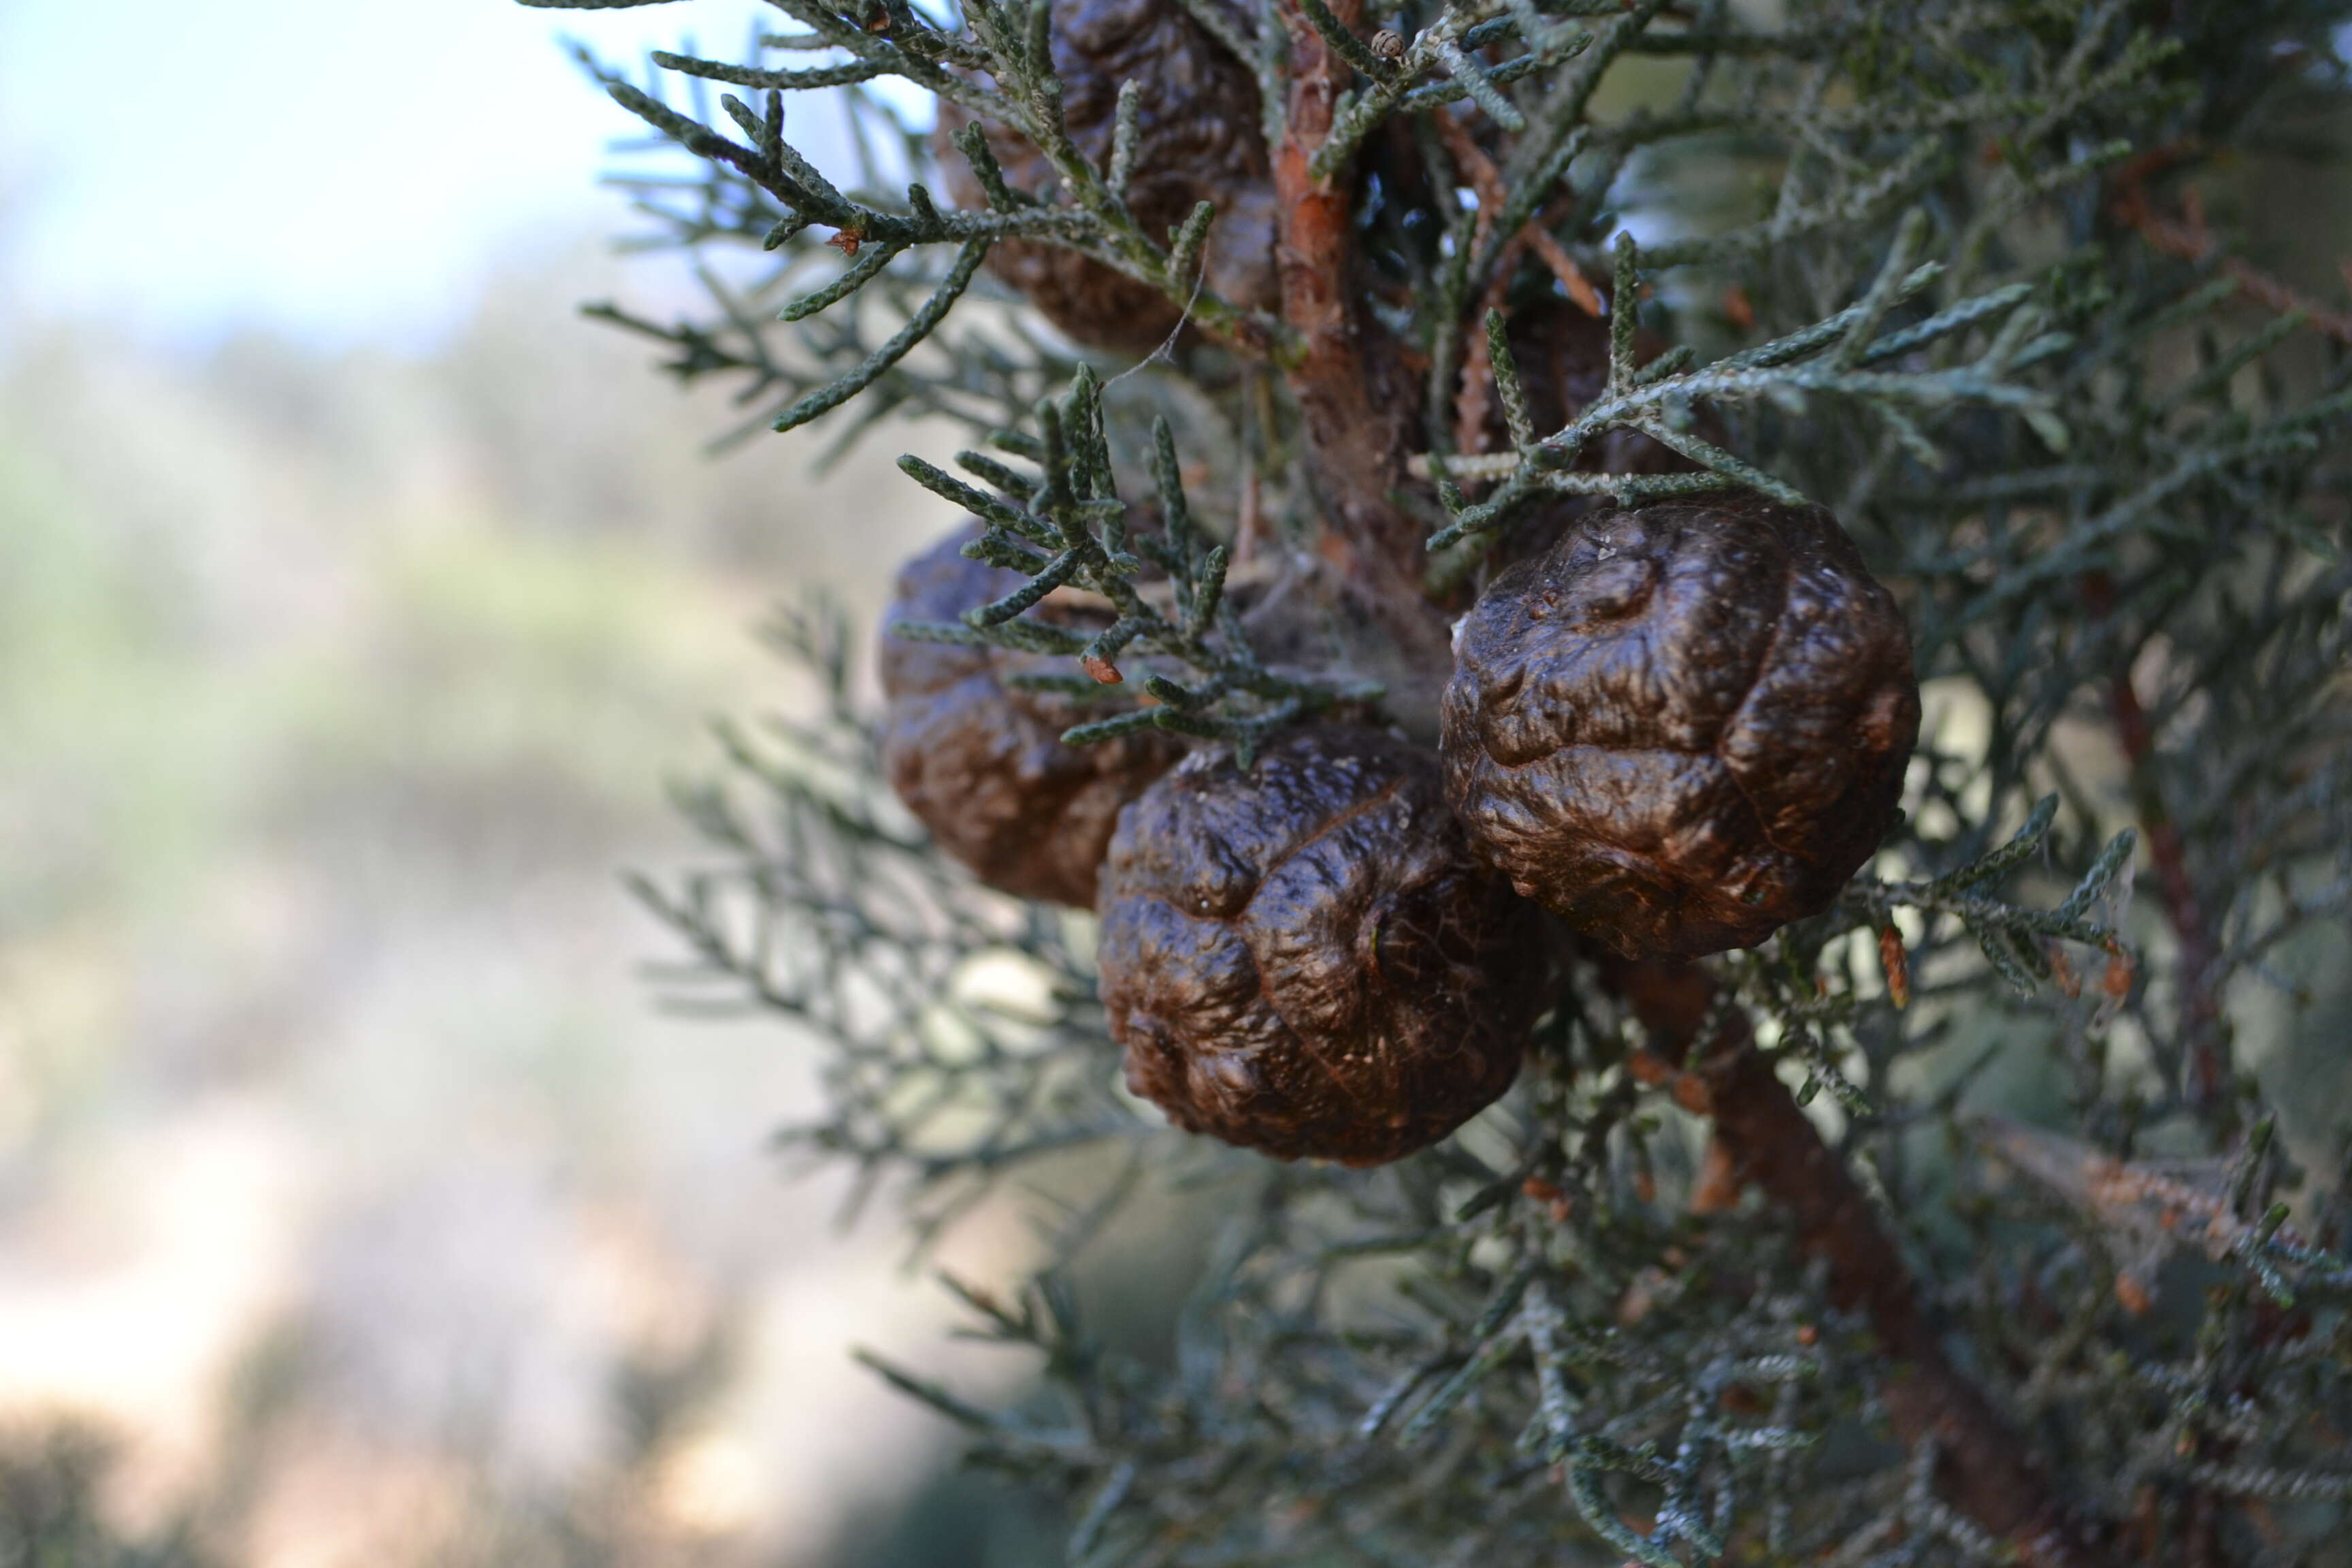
(339, 171)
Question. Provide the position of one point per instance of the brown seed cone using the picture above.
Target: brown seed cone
(1304, 958)
(1199, 140)
(983, 766)
(1685, 725)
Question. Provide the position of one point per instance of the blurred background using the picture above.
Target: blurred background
(356, 601)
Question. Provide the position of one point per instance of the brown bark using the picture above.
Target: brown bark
(1357, 403)
(1984, 1466)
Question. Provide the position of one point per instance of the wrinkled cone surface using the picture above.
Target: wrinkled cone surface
(1304, 958)
(1684, 725)
(983, 766)
(1198, 140)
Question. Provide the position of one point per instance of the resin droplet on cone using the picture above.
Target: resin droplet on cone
(1684, 725)
(983, 765)
(1303, 957)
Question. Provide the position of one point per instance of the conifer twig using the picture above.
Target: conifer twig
(2200, 1008)
(1984, 1466)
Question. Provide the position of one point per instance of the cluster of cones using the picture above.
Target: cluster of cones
(1674, 726)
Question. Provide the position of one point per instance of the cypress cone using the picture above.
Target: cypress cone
(981, 764)
(1685, 725)
(1199, 140)
(1303, 957)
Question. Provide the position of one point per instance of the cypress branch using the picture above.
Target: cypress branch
(919, 326)
(1561, 1284)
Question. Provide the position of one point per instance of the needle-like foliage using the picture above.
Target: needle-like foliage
(1963, 1223)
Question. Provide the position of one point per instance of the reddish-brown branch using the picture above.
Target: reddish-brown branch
(2167, 851)
(1983, 1465)
(1355, 397)
(1359, 418)
(2186, 236)
(1471, 400)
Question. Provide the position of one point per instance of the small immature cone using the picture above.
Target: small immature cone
(1684, 725)
(1302, 957)
(983, 765)
(1199, 140)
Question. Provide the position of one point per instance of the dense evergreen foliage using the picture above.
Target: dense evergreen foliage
(1950, 1226)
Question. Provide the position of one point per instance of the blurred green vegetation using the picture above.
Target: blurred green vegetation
(335, 689)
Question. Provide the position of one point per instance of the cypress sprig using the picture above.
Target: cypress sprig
(1072, 503)
(1819, 359)
(1094, 221)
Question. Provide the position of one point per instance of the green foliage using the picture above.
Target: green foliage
(1833, 357)
(1072, 508)
(50, 1480)
(1918, 260)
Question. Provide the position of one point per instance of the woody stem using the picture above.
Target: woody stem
(1355, 404)
(1983, 1468)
